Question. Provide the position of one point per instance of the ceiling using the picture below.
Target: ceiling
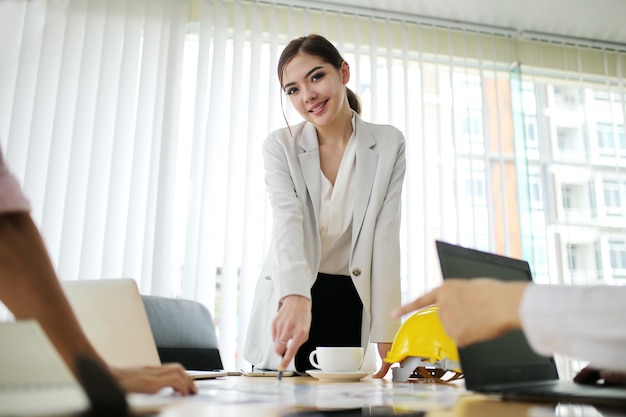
(598, 20)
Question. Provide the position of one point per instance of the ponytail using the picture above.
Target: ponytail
(353, 101)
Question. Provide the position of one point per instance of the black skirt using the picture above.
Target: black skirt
(336, 317)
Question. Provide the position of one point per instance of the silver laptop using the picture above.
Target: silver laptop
(507, 365)
(35, 381)
(112, 315)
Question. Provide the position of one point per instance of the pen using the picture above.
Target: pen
(279, 375)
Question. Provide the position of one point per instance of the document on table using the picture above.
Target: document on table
(366, 393)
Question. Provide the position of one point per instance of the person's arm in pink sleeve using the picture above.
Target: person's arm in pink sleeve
(30, 289)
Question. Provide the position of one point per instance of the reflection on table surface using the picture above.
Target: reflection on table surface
(475, 405)
(264, 397)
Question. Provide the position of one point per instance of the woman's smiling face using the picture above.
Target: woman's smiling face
(316, 89)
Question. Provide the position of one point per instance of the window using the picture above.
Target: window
(567, 98)
(530, 130)
(617, 249)
(536, 197)
(530, 120)
(610, 139)
(613, 197)
(569, 142)
(471, 123)
(568, 196)
(475, 188)
(606, 144)
(473, 177)
(467, 94)
(573, 257)
(604, 95)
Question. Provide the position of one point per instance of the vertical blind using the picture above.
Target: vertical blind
(135, 128)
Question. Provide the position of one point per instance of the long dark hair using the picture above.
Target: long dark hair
(319, 46)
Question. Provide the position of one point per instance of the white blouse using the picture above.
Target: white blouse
(336, 209)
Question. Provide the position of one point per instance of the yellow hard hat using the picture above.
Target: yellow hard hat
(423, 345)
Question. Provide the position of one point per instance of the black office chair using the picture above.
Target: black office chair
(183, 331)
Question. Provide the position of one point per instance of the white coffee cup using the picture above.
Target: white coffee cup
(337, 359)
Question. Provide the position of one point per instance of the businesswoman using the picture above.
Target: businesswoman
(332, 275)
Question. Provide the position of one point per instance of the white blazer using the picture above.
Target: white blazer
(292, 176)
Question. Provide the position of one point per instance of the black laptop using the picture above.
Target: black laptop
(507, 365)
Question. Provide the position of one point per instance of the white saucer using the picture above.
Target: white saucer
(338, 376)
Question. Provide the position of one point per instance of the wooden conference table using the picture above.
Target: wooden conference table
(238, 396)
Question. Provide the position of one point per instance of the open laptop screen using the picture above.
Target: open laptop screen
(508, 358)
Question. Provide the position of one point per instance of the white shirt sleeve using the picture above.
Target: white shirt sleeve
(11, 197)
(583, 322)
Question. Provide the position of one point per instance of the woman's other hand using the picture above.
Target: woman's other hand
(383, 349)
